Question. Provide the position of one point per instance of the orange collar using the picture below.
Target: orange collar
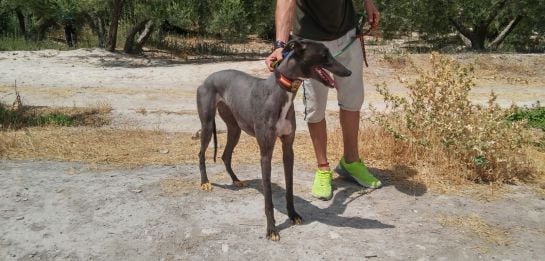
(287, 84)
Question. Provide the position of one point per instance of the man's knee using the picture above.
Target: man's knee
(314, 116)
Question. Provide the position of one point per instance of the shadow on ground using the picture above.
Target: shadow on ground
(401, 177)
(331, 215)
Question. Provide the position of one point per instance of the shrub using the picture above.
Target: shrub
(534, 115)
(438, 114)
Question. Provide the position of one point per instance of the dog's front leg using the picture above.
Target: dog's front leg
(266, 146)
(287, 151)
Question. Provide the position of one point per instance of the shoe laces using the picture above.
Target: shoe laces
(323, 178)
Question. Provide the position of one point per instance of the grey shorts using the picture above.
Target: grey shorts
(350, 93)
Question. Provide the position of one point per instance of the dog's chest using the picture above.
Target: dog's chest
(283, 125)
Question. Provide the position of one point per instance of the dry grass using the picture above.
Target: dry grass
(442, 126)
(22, 116)
(66, 92)
(478, 226)
(402, 162)
(123, 148)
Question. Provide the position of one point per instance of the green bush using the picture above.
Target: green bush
(535, 116)
(15, 119)
(229, 20)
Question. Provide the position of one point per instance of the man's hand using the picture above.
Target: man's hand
(284, 12)
(276, 55)
(373, 14)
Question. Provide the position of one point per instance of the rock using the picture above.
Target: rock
(19, 218)
(209, 231)
(225, 248)
(163, 151)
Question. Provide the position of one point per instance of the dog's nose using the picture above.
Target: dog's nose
(345, 73)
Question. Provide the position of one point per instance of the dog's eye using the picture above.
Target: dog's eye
(324, 55)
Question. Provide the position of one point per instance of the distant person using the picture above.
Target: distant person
(333, 23)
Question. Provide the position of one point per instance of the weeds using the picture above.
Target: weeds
(20, 116)
(438, 116)
(477, 225)
(20, 44)
(535, 116)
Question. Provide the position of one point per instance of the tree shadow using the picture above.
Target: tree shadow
(142, 61)
(331, 215)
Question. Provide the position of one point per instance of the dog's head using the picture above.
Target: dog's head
(313, 60)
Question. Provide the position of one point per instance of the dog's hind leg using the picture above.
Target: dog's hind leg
(233, 135)
(206, 106)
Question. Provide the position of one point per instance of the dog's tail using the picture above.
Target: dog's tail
(215, 138)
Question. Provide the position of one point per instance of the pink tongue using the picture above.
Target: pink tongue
(326, 77)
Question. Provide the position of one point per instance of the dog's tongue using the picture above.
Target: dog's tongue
(326, 77)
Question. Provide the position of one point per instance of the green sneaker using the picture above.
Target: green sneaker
(322, 185)
(358, 172)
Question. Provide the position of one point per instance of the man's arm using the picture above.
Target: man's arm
(373, 14)
(285, 10)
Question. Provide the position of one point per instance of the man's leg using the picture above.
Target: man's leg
(351, 165)
(321, 187)
(350, 98)
(318, 135)
(315, 98)
(350, 125)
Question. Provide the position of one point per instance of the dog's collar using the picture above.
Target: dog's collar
(286, 83)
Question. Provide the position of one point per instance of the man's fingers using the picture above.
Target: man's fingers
(269, 62)
(374, 19)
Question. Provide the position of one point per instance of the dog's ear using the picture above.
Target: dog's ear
(296, 46)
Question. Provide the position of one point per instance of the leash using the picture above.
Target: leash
(362, 42)
(360, 36)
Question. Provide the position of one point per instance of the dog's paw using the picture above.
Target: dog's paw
(273, 235)
(297, 220)
(240, 184)
(206, 186)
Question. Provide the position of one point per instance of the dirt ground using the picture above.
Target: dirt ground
(73, 211)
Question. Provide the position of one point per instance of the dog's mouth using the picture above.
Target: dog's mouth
(326, 77)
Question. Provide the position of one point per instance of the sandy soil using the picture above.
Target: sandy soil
(70, 211)
(165, 89)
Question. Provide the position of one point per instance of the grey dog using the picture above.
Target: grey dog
(263, 108)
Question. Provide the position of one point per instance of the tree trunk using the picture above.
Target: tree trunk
(116, 14)
(479, 33)
(144, 36)
(22, 24)
(43, 27)
(130, 44)
(478, 37)
(503, 34)
(98, 26)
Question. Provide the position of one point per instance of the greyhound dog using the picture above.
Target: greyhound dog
(263, 108)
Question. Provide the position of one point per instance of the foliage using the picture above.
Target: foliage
(535, 116)
(438, 114)
(20, 44)
(230, 20)
(480, 22)
(15, 119)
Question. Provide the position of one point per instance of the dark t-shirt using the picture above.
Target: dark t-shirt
(323, 20)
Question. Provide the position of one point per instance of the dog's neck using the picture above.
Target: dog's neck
(285, 77)
(286, 83)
